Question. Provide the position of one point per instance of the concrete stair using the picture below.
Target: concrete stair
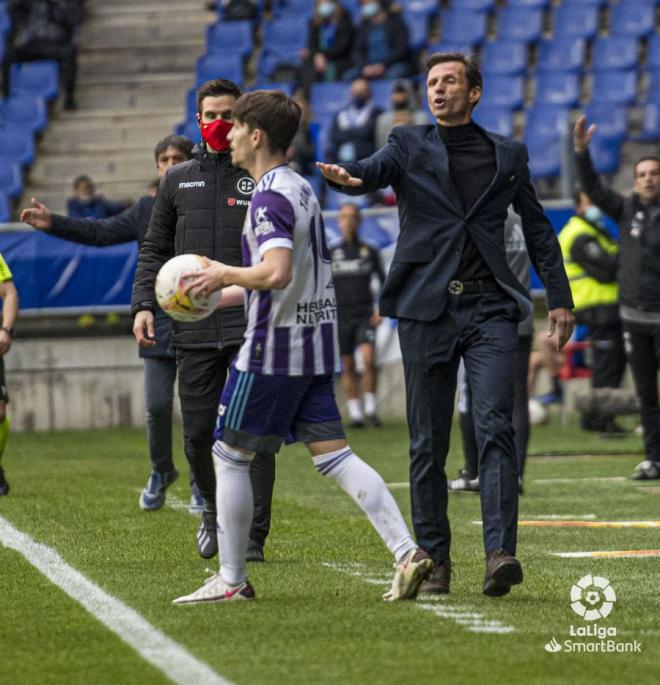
(136, 62)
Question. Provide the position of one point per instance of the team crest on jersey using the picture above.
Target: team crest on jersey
(261, 214)
(246, 185)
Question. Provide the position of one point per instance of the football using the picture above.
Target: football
(169, 290)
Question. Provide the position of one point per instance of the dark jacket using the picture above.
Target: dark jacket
(639, 237)
(126, 227)
(396, 32)
(433, 223)
(98, 208)
(39, 22)
(340, 50)
(200, 209)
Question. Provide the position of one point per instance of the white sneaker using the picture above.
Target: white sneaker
(409, 574)
(215, 589)
(646, 470)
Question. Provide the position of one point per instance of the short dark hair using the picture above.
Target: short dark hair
(273, 112)
(471, 69)
(216, 88)
(646, 158)
(82, 178)
(181, 143)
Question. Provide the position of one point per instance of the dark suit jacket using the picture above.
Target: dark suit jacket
(433, 224)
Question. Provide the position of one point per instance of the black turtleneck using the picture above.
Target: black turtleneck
(472, 166)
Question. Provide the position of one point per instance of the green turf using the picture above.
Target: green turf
(78, 491)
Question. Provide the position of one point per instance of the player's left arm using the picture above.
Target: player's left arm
(9, 296)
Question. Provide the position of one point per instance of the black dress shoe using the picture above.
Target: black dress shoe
(438, 582)
(502, 571)
(255, 552)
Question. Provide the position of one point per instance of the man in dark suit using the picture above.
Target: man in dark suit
(455, 296)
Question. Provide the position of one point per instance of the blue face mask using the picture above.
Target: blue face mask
(593, 215)
(359, 101)
(369, 10)
(326, 9)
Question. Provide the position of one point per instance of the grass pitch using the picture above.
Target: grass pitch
(318, 617)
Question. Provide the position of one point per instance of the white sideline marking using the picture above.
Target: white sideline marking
(551, 517)
(151, 644)
(613, 554)
(473, 621)
(553, 481)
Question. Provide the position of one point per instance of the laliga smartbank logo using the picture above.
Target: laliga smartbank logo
(592, 598)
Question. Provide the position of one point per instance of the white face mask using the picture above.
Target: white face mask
(326, 9)
(369, 10)
(593, 215)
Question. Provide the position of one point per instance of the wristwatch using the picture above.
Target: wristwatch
(8, 330)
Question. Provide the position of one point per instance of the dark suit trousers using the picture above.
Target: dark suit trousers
(483, 330)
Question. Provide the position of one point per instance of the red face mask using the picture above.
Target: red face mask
(215, 133)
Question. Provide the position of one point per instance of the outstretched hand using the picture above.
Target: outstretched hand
(38, 216)
(582, 135)
(338, 175)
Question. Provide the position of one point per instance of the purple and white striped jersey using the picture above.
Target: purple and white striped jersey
(292, 331)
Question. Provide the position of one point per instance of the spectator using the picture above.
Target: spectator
(381, 43)
(590, 259)
(86, 204)
(301, 155)
(353, 265)
(352, 135)
(638, 216)
(404, 111)
(237, 9)
(329, 44)
(44, 29)
(9, 298)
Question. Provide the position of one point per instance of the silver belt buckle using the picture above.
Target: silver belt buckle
(455, 287)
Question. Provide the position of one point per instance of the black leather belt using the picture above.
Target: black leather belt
(472, 287)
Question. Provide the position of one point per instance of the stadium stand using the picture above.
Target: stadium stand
(520, 23)
(561, 53)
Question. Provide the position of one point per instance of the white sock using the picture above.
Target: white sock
(235, 505)
(354, 410)
(369, 403)
(369, 491)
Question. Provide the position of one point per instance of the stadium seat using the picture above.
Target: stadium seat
(615, 52)
(520, 23)
(577, 20)
(653, 90)
(24, 110)
(614, 86)
(428, 7)
(496, 119)
(418, 28)
(39, 78)
(546, 121)
(230, 37)
(5, 22)
(605, 153)
(335, 199)
(265, 84)
(504, 57)
(542, 4)
(191, 103)
(218, 65)
(561, 53)
(449, 46)
(653, 57)
(293, 8)
(557, 88)
(380, 91)
(190, 129)
(327, 98)
(651, 123)
(475, 5)
(503, 91)
(463, 26)
(612, 121)
(10, 178)
(5, 208)
(544, 157)
(17, 144)
(283, 40)
(634, 18)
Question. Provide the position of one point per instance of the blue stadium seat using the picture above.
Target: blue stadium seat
(653, 57)
(293, 8)
(557, 88)
(578, 20)
(561, 53)
(39, 78)
(496, 119)
(612, 121)
(190, 129)
(5, 22)
(418, 28)
(265, 84)
(283, 39)
(191, 103)
(428, 7)
(327, 98)
(24, 110)
(544, 157)
(520, 23)
(542, 4)
(653, 92)
(504, 57)
(17, 144)
(380, 90)
(614, 86)
(217, 65)
(503, 91)
(651, 125)
(5, 208)
(633, 18)
(546, 121)
(230, 36)
(334, 199)
(463, 26)
(615, 52)
(474, 5)
(449, 46)
(605, 154)
(10, 178)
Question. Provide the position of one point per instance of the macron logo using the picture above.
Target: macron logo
(192, 184)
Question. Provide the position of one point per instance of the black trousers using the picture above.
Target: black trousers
(608, 354)
(66, 55)
(482, 329)
(202, 375)
(643, 346)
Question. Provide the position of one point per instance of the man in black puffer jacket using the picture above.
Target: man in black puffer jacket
(200, 208)
(638, 216)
